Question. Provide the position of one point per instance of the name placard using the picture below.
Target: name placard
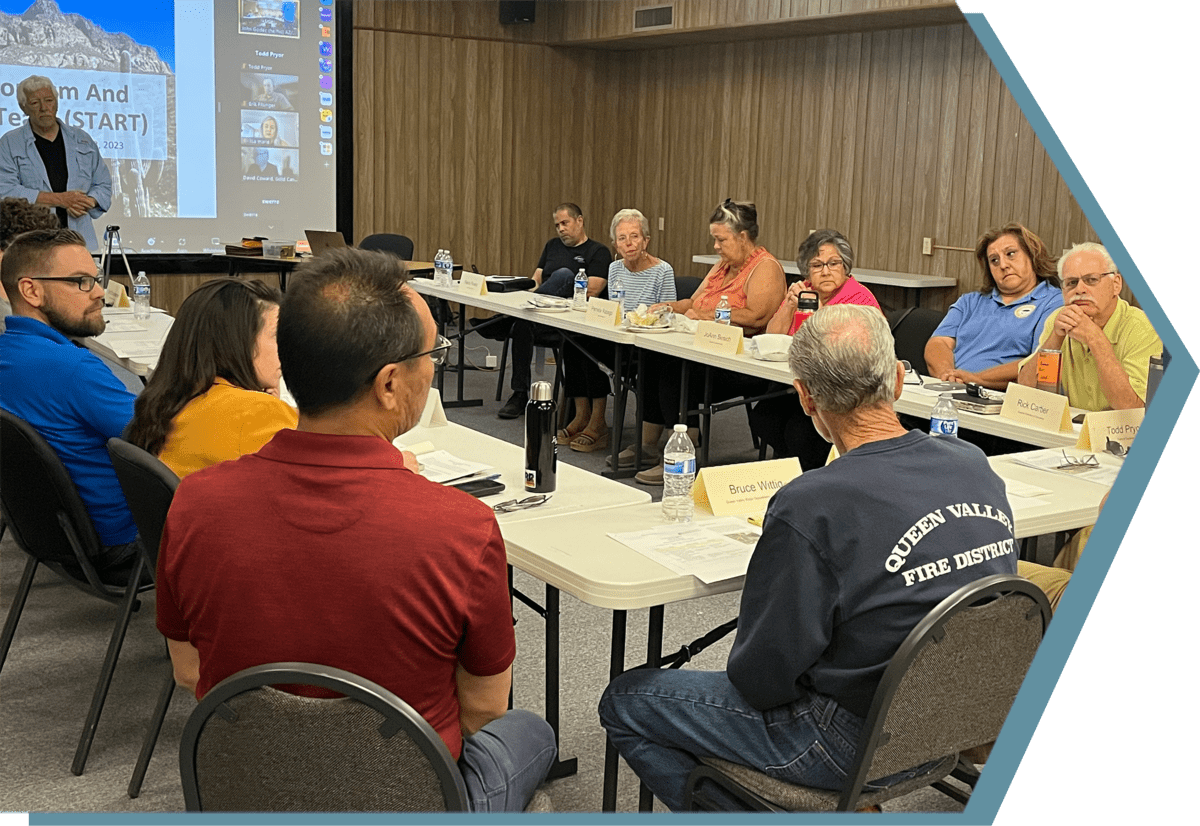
(434, 415)
(602, 312)
(718, 338)
(1049, 411)
(472, 283)
(115, 295)
(746, 488)
(1120, 426)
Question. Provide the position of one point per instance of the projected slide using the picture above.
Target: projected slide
(216, 117)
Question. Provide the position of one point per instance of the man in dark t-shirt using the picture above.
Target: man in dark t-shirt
(561, 258)
(852, 557)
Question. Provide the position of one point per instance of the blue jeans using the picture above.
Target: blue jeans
(505, 761)
(659, 720)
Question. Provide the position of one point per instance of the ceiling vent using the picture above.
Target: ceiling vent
(654, 17)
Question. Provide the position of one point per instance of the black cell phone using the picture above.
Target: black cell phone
(481, 487)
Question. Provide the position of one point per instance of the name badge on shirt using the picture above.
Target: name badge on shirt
(1025, 310)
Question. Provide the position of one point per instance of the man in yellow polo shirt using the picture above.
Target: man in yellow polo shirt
(1106, 343)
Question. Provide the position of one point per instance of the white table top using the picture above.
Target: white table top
(578, 490)
(574, 553)
(914, 401)
(516, 304)
(106, 344)
(866, 276)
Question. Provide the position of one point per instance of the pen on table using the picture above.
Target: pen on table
(462, 480)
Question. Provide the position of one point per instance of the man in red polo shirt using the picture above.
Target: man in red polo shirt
(327, 547)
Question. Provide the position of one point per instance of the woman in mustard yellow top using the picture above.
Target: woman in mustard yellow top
(215, 393)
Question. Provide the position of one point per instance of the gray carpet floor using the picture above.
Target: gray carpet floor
(47, 682)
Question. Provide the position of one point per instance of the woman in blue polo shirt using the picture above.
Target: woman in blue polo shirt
(986, 333)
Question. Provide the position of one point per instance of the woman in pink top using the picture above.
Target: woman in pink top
(827, 258)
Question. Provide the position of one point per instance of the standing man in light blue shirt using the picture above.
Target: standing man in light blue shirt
(987, 332)
(47, 162)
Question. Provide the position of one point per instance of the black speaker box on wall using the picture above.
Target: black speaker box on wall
(517, 11)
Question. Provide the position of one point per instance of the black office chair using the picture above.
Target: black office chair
(51, 526)
(686, 286)
(251, 748)
(149, 486)
(400, 245)
(911, 328)
(978, 642)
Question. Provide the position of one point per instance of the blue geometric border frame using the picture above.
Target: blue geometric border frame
(1131, 484)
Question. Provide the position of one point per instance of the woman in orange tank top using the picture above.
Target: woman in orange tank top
(752, 281)
(747, 275)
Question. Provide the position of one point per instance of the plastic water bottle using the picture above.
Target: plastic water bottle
(679, 471)
(447, 269)
(141, 297)
(722, 313)
(581, 280)
(616, 291)
(944, 419)
(439, 275)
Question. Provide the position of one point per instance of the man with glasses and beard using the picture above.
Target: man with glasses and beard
(357, 562)
(63, 391)
(1106, 343)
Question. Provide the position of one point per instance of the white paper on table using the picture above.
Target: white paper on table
(124, 325)
(712, 551)
(442, 466)
(140, 348)
(1023, 489)
(1052, 459)
(1021, 503)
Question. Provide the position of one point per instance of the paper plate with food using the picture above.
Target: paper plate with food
(645, 320)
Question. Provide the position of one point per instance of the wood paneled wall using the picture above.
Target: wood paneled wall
(889, 136)
(477, 19)
(469, 144)
(582, 22)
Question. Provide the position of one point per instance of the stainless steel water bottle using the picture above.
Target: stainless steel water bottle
(541, 448)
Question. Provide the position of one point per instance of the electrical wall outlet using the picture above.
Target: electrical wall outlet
(490, 362)
(926, 246)
(662, 222)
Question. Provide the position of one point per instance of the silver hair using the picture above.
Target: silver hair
(1088, 246)
(32, 84)
(810, 247)
(628, 215)
(845, 355)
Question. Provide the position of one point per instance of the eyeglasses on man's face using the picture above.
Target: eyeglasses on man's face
(833, 265)
(85, 282)
(1070, 284)
(437, 355)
